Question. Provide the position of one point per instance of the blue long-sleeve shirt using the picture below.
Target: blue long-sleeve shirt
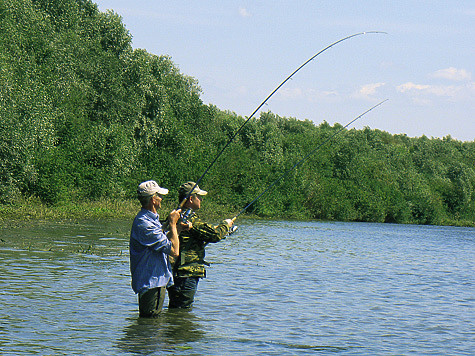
(149, 250)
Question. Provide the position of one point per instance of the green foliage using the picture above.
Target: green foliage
(84, 117)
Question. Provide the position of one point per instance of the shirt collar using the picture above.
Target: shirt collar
(150, 214)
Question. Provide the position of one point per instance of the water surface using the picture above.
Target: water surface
(274, 288)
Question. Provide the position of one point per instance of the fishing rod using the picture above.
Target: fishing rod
(303, 159)
(265, 100)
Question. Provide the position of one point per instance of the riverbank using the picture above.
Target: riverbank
(32, 209)
(105, 209)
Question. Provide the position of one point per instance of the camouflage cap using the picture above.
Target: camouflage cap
(185, 189)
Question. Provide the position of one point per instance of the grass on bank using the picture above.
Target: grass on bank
(32, 209)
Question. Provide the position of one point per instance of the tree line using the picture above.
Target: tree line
(84, 116)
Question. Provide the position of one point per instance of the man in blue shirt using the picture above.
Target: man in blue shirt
(150, 247)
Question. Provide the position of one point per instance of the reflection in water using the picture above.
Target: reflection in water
(172, 330)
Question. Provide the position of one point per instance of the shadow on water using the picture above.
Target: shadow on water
(173, 330)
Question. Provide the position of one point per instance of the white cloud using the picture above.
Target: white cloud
(409, 86)
(243, 12)
(452, 74)
(422, 93)
(437, 90)
(367, 90)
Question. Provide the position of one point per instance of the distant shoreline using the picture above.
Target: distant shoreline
(34, 210)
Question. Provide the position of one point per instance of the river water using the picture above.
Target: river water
(273, 288)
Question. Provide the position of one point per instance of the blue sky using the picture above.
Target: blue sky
(239, 51)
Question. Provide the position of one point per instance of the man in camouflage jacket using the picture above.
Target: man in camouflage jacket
(189, 267)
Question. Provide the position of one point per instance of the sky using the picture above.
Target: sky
(240, 51)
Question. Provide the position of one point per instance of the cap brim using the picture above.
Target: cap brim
(201, 192)
(163, 191)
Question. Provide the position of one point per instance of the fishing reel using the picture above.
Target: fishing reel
(186, 215)
(232, 230)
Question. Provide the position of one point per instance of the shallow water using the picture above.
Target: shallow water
(274, 288)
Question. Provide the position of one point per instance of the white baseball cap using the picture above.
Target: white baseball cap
(150, 187)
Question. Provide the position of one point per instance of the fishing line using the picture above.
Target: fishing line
(303, 159)
(265, 100)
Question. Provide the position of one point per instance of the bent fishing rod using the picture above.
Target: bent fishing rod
(303, 159)
(266, 99)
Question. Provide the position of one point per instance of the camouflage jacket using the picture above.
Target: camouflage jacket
(190, 262)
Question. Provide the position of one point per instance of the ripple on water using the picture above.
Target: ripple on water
(273, 288)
